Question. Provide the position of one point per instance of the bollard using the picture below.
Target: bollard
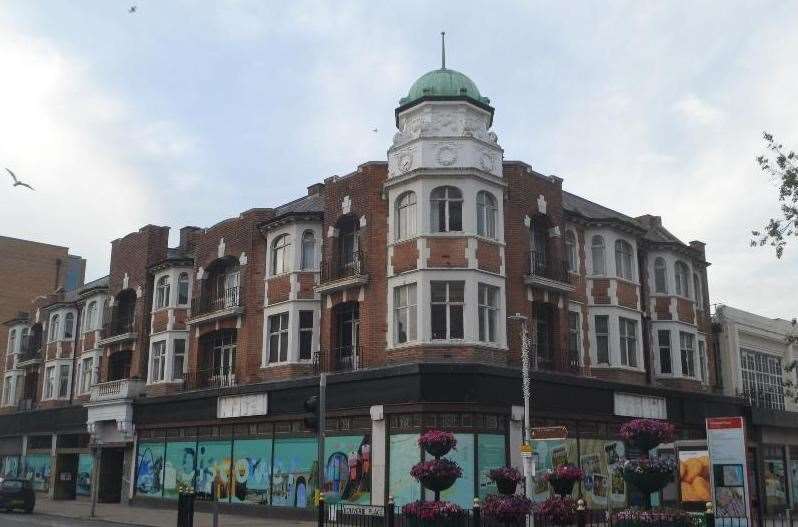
(390, 512)
(216, 506)
(185, 510)
(581, 513)
(477, 513)
(321, 511)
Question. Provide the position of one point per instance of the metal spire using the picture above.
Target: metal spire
(443, 50)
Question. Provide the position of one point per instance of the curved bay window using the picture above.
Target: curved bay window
(660, 275)
(681, 273)
(570, 251)
(281, 254)
(162, 291)
(406, 215)
(623, 260)
(182, 289)
(446, 210)
(308, 251)
(486, 214)
(54, 332)
(69, 325)
(597, 254)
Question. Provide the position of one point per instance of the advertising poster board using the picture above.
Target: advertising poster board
(729, 473)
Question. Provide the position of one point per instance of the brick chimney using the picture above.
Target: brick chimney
(189, 236)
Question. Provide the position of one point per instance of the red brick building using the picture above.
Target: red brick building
(398, 280)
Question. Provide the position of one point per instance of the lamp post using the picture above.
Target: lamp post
(527, 456)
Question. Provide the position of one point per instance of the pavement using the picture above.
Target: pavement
(75, 513)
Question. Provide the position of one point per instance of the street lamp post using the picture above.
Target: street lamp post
(527, 456)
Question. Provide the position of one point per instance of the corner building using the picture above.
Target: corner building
(193, 362)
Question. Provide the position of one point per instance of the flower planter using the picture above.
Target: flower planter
(437, 443)
(438, 483)
(562, 487)
(647, 482)
(506, 486)
(509, 510)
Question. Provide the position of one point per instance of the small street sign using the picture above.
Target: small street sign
(549, 433)
(526, 448)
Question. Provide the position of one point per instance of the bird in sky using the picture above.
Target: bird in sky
(18, 183)
(132, 9)
(375, 130)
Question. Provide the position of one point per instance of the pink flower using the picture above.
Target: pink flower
(507, 509)
(648, 431)
(558, 510)
(436, 468)
(432, 510)
(505, 473)
(566, 472)
(437, 442)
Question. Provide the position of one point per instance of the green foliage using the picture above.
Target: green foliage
(780, 165)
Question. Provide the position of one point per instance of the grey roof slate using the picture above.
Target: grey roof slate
(314, 203)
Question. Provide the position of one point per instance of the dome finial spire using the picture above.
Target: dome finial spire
(443, 50)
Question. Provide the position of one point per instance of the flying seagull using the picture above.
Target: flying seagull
(18, 183)
(132, 9)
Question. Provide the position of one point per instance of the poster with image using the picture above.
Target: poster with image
(37, 470)
(601, 483)
(10, 467)
(212, 474)
(462, 492)
(404, 452)
(775, 483)
(794, 480)
(694, 476)
(150, 469)
(179, 465)
(491, 453)
(295, 462)
(551, 454)
(85, 467)
(347, 469)
(252, 470)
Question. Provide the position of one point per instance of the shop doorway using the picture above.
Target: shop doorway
(66, 477)
(112, 461)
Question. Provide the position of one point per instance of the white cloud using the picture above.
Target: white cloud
(698, 111)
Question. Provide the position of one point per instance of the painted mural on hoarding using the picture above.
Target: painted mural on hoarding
(10, 467)
(252, 470)
(150, 469)
(179, 464)
(462, 492)
(491, 453)
(601, 483)
(83, 483)
(347, 469)
(37, 469)
(404, 452)
(551, 454)
(295, 463)
(212, 476)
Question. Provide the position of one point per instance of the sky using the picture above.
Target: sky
(187, 112)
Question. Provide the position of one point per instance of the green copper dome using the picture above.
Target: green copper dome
(443, 83)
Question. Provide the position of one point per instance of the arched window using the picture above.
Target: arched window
(446, 209)
(623, 260)
(697, 291)
(162, 292)
(406, 215)
(280, 249)
(55, 328)
(90, 322)
(538, 244)
(69, 324)
(12, 340)
(182, 289)
(570, 251)
(681, 273)
(308, 250)
(486, 214)
(660, 276)
(597, 252)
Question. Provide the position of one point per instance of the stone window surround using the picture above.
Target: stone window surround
(675, 327)
(57, 363)
(292, 307)
(295, 229)
(169, 337)
(614, 313)
(174, 275)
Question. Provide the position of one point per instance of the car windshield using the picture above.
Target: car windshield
(11, 485)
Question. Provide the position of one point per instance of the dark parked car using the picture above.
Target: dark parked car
(17, 494)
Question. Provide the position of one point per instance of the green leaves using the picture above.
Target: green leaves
(779, 165)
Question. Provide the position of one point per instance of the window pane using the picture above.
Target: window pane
(274, 343)
(455, 215)
(305, 345)
(438, 317)
(456, 291)
(456, 321)
(438, 291)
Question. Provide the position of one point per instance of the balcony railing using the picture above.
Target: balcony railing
(343, 266)
(119, 389)
(209, 379)
(26, 405)
(547, 267)
(206, 304)
(346, 358)
(119, 326)
(30, 349)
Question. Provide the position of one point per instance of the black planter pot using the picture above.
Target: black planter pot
(437, 451)
(563, 487)
(648, 483)
(437, 484)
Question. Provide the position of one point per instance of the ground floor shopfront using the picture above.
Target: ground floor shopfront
(249, 444)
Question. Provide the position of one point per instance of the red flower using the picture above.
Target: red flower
(437, 442)
(564, 473)
(432, 510)
(648, 431)
(436, 468)
(505, 473)
(507, 509)
(558, 510)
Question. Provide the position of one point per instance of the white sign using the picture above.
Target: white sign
(632, 405)
(242, 405)
(729, 470)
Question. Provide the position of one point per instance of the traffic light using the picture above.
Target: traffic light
(312, 407)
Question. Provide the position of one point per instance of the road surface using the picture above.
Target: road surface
(18, 519)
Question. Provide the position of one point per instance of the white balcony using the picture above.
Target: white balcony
(114, 390)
